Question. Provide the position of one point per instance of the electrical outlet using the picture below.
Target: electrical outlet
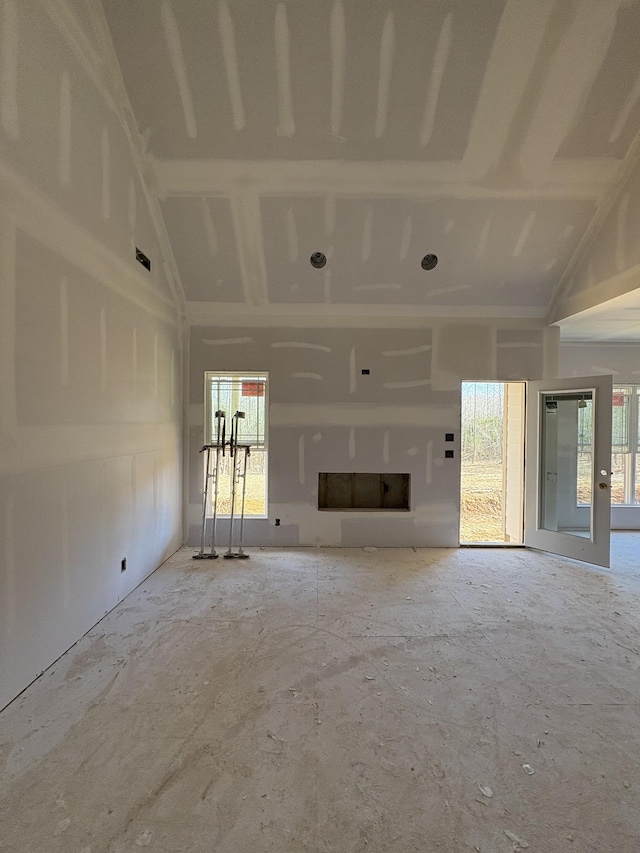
(123, 564)
(277, 522)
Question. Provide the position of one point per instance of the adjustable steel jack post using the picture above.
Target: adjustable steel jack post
(212, 474)
(240, 456)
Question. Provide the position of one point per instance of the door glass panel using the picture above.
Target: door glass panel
(566, 473)
(568, 461)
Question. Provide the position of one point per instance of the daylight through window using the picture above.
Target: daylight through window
(225, 395)
(625, 447)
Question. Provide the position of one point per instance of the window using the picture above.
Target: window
(625, 447)
(225, 395)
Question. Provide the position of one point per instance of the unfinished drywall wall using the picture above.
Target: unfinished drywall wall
(622, 361)
(326, 415)
(90, 377)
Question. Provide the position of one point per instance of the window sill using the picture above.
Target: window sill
(613, 506)
(237, 516)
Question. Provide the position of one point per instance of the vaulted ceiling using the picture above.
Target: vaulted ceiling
(489, 133)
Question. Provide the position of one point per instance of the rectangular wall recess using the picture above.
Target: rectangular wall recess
(338, 491)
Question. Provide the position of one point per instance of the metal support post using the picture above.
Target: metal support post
(239, 461)
(211, 474)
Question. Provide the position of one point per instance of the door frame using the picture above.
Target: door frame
(596, 548)
(488, 543)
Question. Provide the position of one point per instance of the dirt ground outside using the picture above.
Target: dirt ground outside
(481, 504)
(481, 500)
(255, 496)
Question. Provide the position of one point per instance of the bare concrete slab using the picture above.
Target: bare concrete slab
(341, 700)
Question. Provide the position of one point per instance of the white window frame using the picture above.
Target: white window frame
(632, 462)
(633, 454)
(209, 433)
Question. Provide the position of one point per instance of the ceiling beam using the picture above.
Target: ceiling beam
(603, 292)
(321, 315)
(564, 179)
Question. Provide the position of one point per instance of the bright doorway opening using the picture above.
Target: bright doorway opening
(492, 463)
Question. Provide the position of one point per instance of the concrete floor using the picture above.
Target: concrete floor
(341, 700)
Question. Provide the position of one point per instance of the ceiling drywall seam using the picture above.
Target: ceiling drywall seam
(367, 233)
(524, 234)
(520, 34)
(562, 290)
(9, 116)
(64, 18)
(64, 130)
(125, 112)
(572, 72)
(292, 235)
(440, 58)
(338, 42)
(482, 240)
(176, 57)
(230, 56)
(209, 228)
(387, 51)
(575, 180)
(8, 398)
(405, 242)
(286, 125)
(247, 226)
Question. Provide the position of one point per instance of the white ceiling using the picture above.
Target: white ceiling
(376, 131)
